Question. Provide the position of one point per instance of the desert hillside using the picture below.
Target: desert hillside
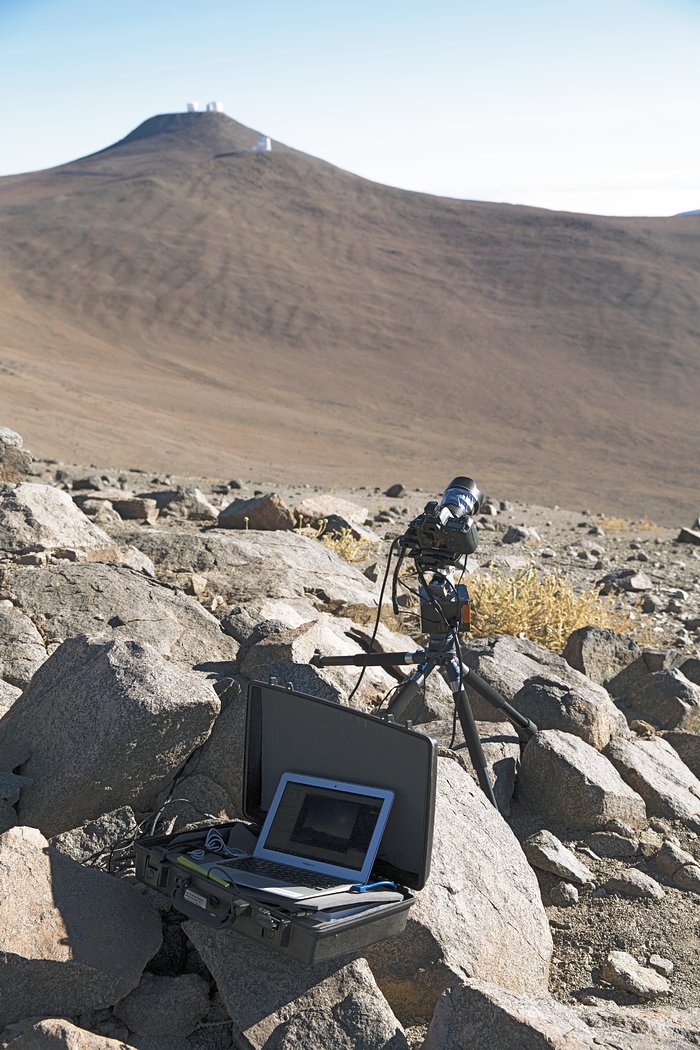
(179, 301)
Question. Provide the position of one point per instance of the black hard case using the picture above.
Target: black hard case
(289, 731)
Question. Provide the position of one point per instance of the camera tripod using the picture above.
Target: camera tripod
(442, 609)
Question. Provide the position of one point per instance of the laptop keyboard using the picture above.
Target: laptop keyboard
(286, 873)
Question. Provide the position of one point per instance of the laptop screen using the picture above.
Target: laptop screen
(326, 826)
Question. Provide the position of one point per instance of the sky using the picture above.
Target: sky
(576, 106)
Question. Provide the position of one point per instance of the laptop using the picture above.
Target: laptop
(320, 836)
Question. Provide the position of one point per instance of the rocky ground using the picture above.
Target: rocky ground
(109, 576)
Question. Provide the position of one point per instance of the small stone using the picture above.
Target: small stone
(610, 844)
(642, 728)
(622, 970)
(394, 491)
(563, 895)
(661, 965)
(522, 534)
(689, 536)
(679, 865)
(545, 851)
(635, 883)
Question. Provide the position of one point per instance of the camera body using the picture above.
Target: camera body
(438, 540)
(445, 531)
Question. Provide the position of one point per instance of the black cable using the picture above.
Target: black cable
(377, 617)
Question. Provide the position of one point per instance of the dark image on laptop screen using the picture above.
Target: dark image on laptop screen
(334, 827)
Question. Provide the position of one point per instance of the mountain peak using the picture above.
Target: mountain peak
(199, 133)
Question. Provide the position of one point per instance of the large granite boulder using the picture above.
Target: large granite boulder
(33, 515)
(666, 698)
(483, 1016)
(276, 1002)
(72, 939)
(22, 649)
(55, 1033)
(599, 654)
(67, 600)
(655, 771)
(103, 724)
(481, 889)
(569, 783)
(543, 687)
(247, 566)
(480, 1016)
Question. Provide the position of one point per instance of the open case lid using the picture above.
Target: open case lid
(292, 732)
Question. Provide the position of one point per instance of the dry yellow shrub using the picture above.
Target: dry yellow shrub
(544, 609)
(348, 546)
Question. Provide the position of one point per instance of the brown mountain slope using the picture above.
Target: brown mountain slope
(176, 301)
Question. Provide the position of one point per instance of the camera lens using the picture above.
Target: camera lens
(462, 497)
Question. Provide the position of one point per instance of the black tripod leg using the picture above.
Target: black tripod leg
(473, 742)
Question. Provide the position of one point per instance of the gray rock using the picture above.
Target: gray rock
(113, 831)
(100, 512)
(635, 883)
(55, 1033)
(481, 1016)
(316, 509)
(543, 687)
(654, 770)
(395, 491)
(610, 844)
(563, 895)
(649, 662)
(640, 1027)
(691, 669)
(165, 1006)
(632, 580)
(277, 1002)
(137, 508)
(10, 438)
(584, 790)
(202, 800)
(8, 695)
(64, 601)
(188, 503)
(663, 966)
(599, 654)
(220, 758)
(335, 527)
(667, 699)
(687, 746)
(22, 648)
(253, 566)
(8, 816)
(32, 515)
(679, 865)
(621, 970)
(522, 534)
(84, 757)
(278, 648)
(263, 512)
(546, 852)
(15, 460)
(501, 748)
(480, 888)
(11, 787)
(689, 536)
(95, 936)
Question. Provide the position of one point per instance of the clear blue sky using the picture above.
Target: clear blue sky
(589, 106)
